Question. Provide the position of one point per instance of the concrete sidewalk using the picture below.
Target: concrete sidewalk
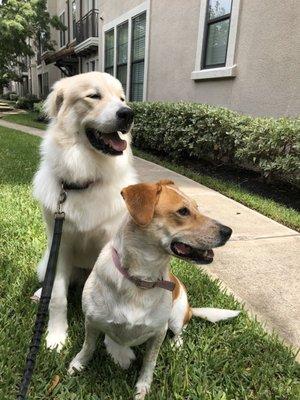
(260, 265)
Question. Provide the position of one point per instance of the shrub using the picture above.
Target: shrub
(6, 96)
(13, 97)
(38, 108)
(202, 132)
(27, 102)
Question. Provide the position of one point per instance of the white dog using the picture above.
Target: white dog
(130, 295)
(86, 149)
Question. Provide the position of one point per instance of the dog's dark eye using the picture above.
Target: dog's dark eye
(183, 211)
(95, 96)
(122, 99)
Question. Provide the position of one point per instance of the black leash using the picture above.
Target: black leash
(44, 300)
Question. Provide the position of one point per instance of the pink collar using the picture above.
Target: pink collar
(168, 285)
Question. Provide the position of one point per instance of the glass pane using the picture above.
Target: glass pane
(137, 81)
(217, 8)
(109, 49)
(138, 37)
(217, 37)
(110, 70)
(122, 44)
(122, 75)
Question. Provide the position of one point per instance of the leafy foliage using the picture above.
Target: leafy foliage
(27, 102)
(199, 131)
(24, 25)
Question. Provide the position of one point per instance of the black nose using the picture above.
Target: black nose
(225, 233)
(125, 114)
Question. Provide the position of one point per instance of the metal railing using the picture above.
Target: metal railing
(87, 26)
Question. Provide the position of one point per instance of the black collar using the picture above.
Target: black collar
(76, 186)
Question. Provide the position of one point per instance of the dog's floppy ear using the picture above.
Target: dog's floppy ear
(140, 200)
(166, 182)
(54, 101)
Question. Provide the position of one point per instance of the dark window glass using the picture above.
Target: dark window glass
(62, 34)
(216, 33)
(122, 54)
(45, 80)
(74, 18)
(138, 57)
(109, 52)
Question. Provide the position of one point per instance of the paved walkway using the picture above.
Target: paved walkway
(260, 265)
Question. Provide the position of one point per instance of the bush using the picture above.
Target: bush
(38, 108)
(202, 132)
(6, 96)
(13, 97)
(27, 102)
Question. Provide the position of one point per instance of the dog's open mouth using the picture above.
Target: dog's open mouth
(108, 143)
(188, 252)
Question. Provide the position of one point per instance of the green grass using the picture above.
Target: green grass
(270, 208)
(234, 360)
(28, 119)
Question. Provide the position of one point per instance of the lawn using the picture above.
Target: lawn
(230, 360)
(28, 119)
(271, 208)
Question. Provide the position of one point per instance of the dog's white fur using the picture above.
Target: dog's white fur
(92, 215)
(128, 315)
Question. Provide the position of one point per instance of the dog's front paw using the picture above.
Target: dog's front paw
(56, 340)
(75, 366)
(141, 390)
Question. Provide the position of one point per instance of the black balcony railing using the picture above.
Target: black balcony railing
(87, 26)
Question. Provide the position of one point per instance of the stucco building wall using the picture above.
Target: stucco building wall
(267, 58)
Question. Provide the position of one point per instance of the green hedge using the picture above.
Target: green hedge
(27, 102)
(198, 131)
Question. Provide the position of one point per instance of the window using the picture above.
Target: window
(87, 67)
(216, 39)
(93, 64)
(138, 57)
(217, 30)
(125, 49)
(45, 84)
(40, 85)
(109, 52)
(74, 18)
(122, 54)
(62, 34)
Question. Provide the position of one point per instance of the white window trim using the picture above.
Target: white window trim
(230, 68)
(127, 17)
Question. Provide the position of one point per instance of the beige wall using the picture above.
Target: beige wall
(267, 55)
(111, 9)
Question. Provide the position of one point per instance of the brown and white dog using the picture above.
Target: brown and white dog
(126, 295)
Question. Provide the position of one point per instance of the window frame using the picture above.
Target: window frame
(129, 16)
(229, 68)
(210, 22)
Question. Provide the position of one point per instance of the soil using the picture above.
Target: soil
(280, 192)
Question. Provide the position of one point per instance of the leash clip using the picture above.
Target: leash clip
(62, 198)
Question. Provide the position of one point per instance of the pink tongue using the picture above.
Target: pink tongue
(116, 143)
(182, 248)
